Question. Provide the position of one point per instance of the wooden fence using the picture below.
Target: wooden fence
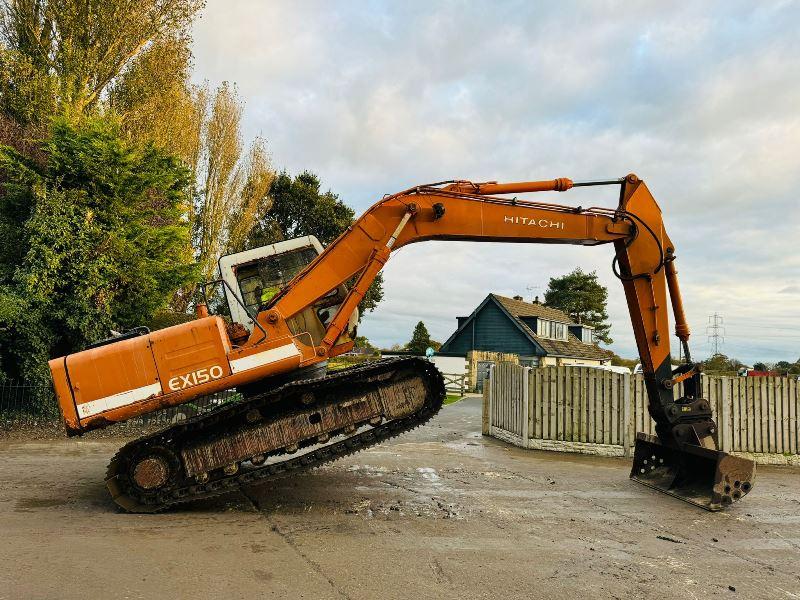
(455, 382)
(599, 412)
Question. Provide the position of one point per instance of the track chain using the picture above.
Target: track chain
(281, 402)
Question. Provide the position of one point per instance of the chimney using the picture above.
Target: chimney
(536, 300)
(518, 298)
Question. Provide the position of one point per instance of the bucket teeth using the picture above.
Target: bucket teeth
(707, 478)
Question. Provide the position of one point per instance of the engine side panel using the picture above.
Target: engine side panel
(191, 355)
(128, 378)
(110, 377)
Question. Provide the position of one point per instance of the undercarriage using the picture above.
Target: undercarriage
(294, 427)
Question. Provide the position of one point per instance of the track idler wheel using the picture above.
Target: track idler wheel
(151, 472)
(153, 469)
(707, 478)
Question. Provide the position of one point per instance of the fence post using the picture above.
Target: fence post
(723, 424)
(488, 385)
(629, 415)
(525, 406)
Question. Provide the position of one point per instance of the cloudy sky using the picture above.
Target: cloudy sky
(700, 100)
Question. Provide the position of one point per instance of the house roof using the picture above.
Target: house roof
(572, 347)
(520, 308)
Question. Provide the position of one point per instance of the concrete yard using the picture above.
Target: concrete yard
(438, 513)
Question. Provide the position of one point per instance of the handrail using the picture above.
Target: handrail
(227, 285)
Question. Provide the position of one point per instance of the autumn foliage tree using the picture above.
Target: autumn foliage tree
(203, 127)
(71, 51)
(233, 185)
(133, 60)
(156, 101)
(121, 181)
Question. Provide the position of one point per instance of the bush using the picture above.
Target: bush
(99, 238)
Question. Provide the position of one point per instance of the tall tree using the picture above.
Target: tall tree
(133, 59)
(81, 46)
(253, 180)
(583, 298)
(298, 207)
(98, 236)
(232, 185)
(420, 339)
(223, 146)
(156, 100)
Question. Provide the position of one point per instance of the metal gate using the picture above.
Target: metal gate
(483, 372)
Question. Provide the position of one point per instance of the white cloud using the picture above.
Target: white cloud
(699, 99)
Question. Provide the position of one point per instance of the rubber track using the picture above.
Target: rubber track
(132, 499)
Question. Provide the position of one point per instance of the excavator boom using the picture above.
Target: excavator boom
(135, 376)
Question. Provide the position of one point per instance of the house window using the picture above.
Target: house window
(587, 335)
(552, 330)
(544, 328)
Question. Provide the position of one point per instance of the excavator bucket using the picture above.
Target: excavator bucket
(707, 478)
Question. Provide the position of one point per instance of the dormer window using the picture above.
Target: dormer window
(551, 329)
(584, 333)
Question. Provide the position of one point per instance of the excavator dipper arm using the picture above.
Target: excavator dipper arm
(683, 459)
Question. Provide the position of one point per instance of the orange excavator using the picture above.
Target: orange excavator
(293, 307)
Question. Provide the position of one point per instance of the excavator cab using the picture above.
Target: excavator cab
(253, 277)
(250, 273)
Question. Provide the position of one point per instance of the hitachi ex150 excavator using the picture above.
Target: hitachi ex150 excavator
(293, 416)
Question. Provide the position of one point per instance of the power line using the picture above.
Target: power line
(715, 331)
(762, 327)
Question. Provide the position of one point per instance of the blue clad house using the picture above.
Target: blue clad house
(540, 335)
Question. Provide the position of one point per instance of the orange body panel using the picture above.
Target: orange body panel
(124, 379)
(181, 354)
(100, 379)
